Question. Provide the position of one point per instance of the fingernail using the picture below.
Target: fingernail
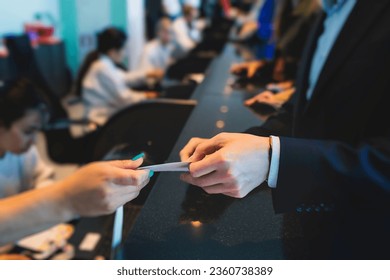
(141, 155)
(151, 173)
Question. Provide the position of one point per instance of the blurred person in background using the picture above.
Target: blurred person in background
(292, 24)
(160, 52)
(103, 83)
(188, 28)
(171, 8)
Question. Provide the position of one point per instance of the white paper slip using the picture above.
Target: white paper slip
(168, 167)
(90, 241)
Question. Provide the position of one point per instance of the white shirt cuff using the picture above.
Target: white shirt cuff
(274, 165)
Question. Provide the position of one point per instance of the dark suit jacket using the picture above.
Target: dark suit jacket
(335, 149)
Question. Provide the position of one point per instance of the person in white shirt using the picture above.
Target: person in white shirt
(161, 52)
(102, 84)
(193, 3)
(21, 167)
(172, 8)
(19, 173)
(29, 200)
(188, 29)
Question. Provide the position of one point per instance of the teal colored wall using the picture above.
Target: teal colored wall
(80, 20)
(69, 32)
(118, 13)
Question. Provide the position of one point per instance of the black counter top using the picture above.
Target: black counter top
(179, 221)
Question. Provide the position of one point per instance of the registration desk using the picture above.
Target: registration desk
(179, 221)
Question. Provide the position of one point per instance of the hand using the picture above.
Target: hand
(189, 149)
(281, 86)
(151, 94)
(279, 69)
(229, 163)
(251, 67)
(265, 97)
(100, 188)
(275, 100)
(248, 28)
(155, 74)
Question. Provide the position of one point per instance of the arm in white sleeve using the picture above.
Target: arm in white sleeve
(145, 63)
(137, 77)
(274, 165)
(118, 93)
(134, 78)
(37, 173)
(181, 35)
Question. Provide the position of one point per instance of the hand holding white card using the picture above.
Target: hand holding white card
(168, 167)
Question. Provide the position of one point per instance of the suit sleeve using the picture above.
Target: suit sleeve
(323, 172)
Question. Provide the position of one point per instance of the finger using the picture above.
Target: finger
(199, 182)
(236, 67)
(127, 189)
(129, 197)
(213, 178)
(251, 71)
(207, 147)
(189, 149)
(127, 164)
(186, 177)
(266, 93)
(234, 194)
(270, 86)
(250, 102)
(263, 99)
(237, 193)
(220, 189)
(211, 163)
(187, 152)
(128, 177)
(122, 200)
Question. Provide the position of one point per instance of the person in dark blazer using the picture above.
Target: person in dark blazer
(290, 29)
(330, 161)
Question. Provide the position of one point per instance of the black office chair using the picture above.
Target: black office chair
(22, 63)
(152, 127)
(62, 146)
(214, 37)
(181, 91)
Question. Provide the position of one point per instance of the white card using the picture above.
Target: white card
(168, 167)
(117, 229)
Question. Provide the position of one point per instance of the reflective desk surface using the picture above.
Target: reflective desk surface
(179, 221)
